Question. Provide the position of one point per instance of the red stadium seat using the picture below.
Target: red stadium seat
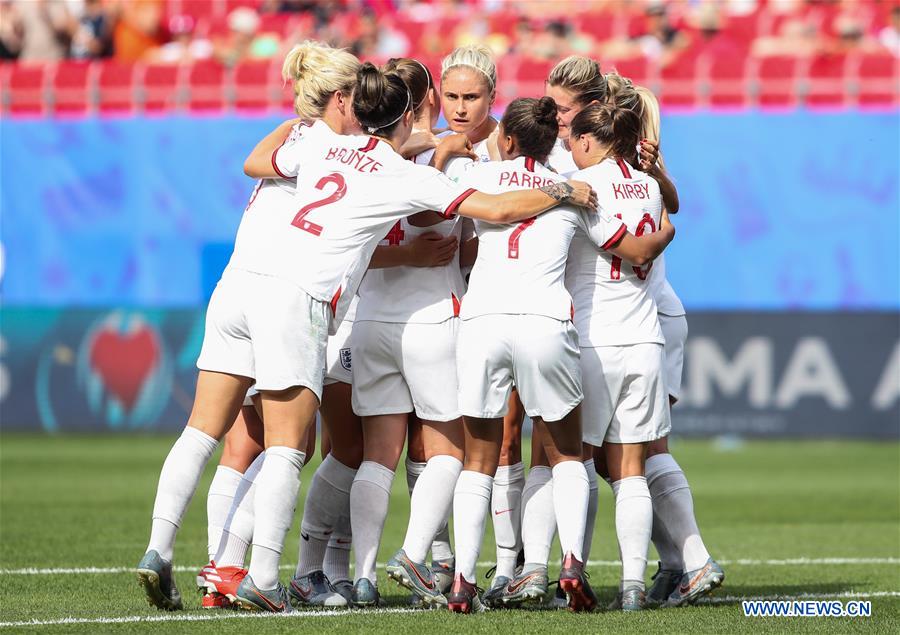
(116, 87)
(71, 91)
(776, 81)
(206, 83)
(599, 25)
(728, 85)
(162, 87)
(637, 69)
(879, 79)
(27, 83)
(253, 85)
(681, 80)
(827, 83)
(531, 75)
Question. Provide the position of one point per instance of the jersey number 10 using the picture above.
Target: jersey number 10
(615, 272)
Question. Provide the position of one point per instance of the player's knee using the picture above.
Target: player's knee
(659, 446)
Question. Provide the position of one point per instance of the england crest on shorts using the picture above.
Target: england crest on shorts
(345, 359)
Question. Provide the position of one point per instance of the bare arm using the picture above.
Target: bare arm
(259, 164)
(428, 250)
(639, 250)
(511, 207)
(650, 165)
(468, 253)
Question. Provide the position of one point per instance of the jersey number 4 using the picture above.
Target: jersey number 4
(616, 269)
(513, 252)
(300, 219)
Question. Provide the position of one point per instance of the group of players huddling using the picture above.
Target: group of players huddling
(357, 244)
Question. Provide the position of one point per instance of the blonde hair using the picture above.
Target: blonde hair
(580, 75)
(641, 101)
(316, 71)
(475, 56)
(615, 83)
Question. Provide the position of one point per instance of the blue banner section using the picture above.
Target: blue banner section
(812, 375)
(779, 211)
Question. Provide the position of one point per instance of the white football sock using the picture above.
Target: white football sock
(218, 504)
(178, 481)
(413, 470)
(337, 557)
(634, 520)
(238, 530)
(590, 519)
(430, 504)
(328, 498)
(674, 505)
(276, 500)
(506, 503)
(570, 502)
(471, 505)
(538, 516)
(441, 549)
(369, 499)
(669, 553)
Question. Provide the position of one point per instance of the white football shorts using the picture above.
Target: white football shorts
(675, 330)
(405, 367)
(625, 397)
(338, 366)
(266, 328)
(537, 354)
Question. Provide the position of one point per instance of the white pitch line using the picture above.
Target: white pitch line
(206, 617)
(591, 563)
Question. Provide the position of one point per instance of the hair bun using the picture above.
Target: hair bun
(545, 110)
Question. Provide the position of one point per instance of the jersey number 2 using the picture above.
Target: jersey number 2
(616, 269)
(300, 219)
(513, 252)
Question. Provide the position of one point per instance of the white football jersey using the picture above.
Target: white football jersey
(613, 305)
(413, 294)
(521, 266)
(561, 159)
(350, 191)
(287, 157)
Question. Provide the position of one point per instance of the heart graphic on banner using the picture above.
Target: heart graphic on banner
(123, 361)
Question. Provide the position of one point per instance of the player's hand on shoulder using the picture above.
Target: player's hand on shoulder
(418, 143)
(575, 192)
(432, 249)
(456, 145)
(649, 155)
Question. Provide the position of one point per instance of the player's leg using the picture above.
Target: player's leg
(216, 405)
(327, 500)
(430, 506)
(506, 497)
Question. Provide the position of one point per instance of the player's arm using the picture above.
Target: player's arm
(650, 165)
(639, 250)
(428, 250)
(511, 207)
(259, 164)
(468, 253)
(418, 143)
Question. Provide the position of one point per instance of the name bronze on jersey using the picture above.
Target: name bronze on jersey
(356, 159)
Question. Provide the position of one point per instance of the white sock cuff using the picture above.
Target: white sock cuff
(295, 458)
(414, 468)
(206, 442)
(591, 473)
(336, 474)
(631, 487)
(447, 463)
(375, 473)
(659, 465)
(570, 469)
(475, 483)
(509, 474)
(225, 479)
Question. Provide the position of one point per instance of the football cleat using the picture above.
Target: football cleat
(491, 597)
(224, 580)
(697, 583)
(364, 594)
(631, 598)
(215, 601)
(664, 582)
(252, 598)
(574, 582)
(155, 576)
(344, 588)
(528, 587)
(314, 590)
(417, 577)
(558, 600)
(443, 571)
(463, 596)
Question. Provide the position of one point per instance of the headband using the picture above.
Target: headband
(468, 65)
(372, 129)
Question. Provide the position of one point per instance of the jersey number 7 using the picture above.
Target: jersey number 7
(513, 252)
(300, 219)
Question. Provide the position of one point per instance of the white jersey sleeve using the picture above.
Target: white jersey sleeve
(287, 157)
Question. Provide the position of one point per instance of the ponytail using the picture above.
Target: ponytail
(380, 100)
(615, 127)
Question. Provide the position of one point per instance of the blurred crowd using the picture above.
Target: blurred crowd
(175, 31)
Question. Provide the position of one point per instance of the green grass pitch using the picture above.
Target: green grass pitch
(78, 502)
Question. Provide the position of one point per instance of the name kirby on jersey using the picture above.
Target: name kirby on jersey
(631, 190)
